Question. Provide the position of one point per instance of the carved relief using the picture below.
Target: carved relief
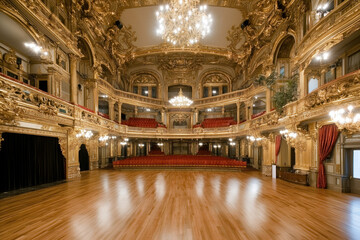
(10, 57)
(340, 89)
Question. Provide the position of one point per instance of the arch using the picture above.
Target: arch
(22, 22)
(86, 50)
(84, 160)
(144, 77)
(215, 78)
(91, 47)
(279, 43)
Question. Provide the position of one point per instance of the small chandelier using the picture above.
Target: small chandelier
(85, 134)
(350, 121)
(180, 100)
(288, 135)
(182, 23)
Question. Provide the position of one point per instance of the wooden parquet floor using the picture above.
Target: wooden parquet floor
(179, 204)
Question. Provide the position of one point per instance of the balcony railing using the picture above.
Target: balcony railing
(19, 100)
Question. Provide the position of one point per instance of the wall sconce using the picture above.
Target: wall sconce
(123, 143)
(350, 121)
(104, 138)
(160, 144)
(232, 144)
(84, 133)
(200, 144)
(288, 135)
(141, 145)
(253, 139)
(322, 56)
(322, 10)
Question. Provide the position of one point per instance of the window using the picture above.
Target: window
(329, 75)
(135, 89)
(43, 86)
(356, 164)
(282, 71)
(225, 89)
(215, 91)
(354, 62)
(313, 84)
(13, 75)
(154, 92)
(145, 91)
(205, 92)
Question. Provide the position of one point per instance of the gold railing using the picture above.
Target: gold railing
(21, 101)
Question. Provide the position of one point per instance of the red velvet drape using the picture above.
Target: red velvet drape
(277, 147)
(328, 135)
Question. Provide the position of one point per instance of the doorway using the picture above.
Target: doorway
(293, 158)
(353, 156)
(180, 148)
(83, 158)
(260, 157)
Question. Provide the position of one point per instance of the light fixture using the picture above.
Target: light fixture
(123, 143)
(104, 138)
(160, 144)
(200, 144)
(209, 110)
(322, 10)
(230, 139)
(232, 143)
(34, 47)
(180, 100)
(288, 135)
(84, 133)
(141, 145)
(323, 56)
(214, 91)
(126, 139)
(253, 139)
(148, 110)
(350, 121)
(182, 23)
(113, 137)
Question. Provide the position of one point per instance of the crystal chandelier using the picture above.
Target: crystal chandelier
(182, 23)
(350, 121)
(180, 100)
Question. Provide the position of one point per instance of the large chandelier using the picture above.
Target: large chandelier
(182, 23)
(350, 121)
(180, 100)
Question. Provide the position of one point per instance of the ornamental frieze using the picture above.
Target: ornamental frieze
(341, 89)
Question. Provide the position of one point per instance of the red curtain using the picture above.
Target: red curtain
(328, 135)
(277, 147)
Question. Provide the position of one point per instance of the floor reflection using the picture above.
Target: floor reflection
(179, 204)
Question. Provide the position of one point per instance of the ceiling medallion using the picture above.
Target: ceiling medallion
(180, 100)
(182, 23)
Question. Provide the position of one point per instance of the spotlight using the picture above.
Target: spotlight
(118, 24)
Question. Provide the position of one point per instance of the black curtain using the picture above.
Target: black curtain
(83, 158)
(27, 160)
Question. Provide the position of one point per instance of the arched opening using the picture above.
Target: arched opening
(85, 73)
(83, 158)
(215, 83)
(283, 55)
(15, 57)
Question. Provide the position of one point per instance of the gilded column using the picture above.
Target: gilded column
(268, 100)
(73, 78)
(111, 108)
(238, 112)
(119, 111)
